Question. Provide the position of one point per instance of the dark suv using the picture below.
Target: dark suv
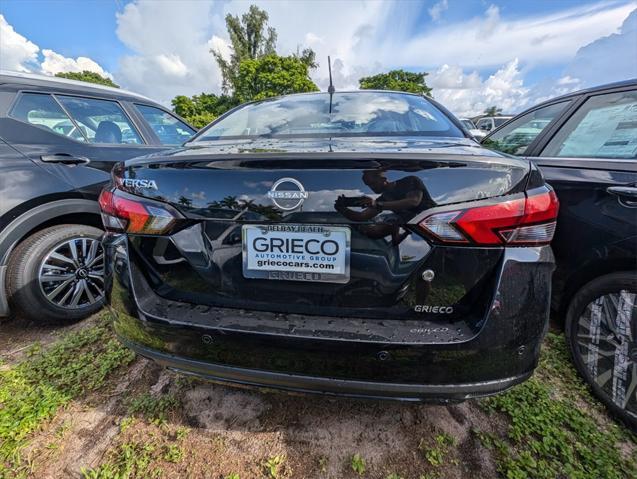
(585, 143)
(59, 140)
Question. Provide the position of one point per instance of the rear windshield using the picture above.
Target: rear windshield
(353, 114)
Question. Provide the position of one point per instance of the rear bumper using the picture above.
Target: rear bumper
(327, 386)
(408, 360)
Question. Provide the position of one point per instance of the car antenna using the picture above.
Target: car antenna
(330, 89)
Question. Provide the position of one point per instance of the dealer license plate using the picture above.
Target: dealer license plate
(296, 252)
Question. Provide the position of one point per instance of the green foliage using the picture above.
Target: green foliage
(232, 475)
(550, 433)
(253, 72)
(393, 475)
(199, 110)
(272, 75)
(435, 455)
(80, 362)
(493, 111)
(154, 408)
(397, 80)
(33, 391)
(173, 453)
(88, 76)
(358, 464)
(273, 466)
(250, 38)
(132, 460)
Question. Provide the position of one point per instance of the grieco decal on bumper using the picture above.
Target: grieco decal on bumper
(425, 308)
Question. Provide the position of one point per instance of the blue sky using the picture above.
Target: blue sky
(477, 52)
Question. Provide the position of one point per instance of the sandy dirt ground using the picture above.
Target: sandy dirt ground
(220, 430)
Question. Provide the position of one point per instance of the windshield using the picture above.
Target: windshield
(353, 114)
(468, 124)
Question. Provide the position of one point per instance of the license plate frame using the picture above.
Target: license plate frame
(340, 235)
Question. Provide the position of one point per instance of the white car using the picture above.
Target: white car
(471, 128)
(489, 123)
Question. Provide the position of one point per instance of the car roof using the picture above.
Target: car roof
(586, 91)
(62, 84)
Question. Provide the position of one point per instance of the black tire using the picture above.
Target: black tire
(601, 330)
(32, 273)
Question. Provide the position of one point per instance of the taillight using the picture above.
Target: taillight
(522, 221)
(123, 212)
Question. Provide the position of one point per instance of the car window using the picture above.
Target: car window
(484, 124)
(468, 124)
(500, 121)
(364, 113)
(517, 135)
(605, 126)
(43, 111)
(169, 129)
(102, 121)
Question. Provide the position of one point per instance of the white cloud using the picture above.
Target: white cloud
(490, 23)
(607, 59)
(55, 63)
(16, 52)
(350, 32)
(492, 40)
(21, 55)
(435, 12)
(171, 46)
(468, 95)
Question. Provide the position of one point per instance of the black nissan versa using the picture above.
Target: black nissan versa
(360, 245)
(59, 139)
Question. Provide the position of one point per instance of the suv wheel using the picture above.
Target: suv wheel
(601, 329)
(57, 274)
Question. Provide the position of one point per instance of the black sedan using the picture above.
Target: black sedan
(357, 244)
(585, 143)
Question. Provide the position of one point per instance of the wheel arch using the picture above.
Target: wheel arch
(594, 269)
(73, 210)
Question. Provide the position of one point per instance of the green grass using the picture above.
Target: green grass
(32, 391)
(357, 464)
(154, 408)
(436, 453)
(132, 460)
(273, 466)
(553, 430)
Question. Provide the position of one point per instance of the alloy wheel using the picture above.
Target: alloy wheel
(72, 274)
(606, 343)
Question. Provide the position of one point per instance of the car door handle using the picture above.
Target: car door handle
(626, 193)
(65, 159)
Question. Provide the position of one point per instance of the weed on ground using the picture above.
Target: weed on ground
(550, 434)
(33, 391)
(82, 407)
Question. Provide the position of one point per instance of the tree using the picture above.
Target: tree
(492, 111)
(250, 38)
(199, 110)
(272, 75)
(398, 80)
(88, 76)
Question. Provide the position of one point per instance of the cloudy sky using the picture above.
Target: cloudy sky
(478, 53)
